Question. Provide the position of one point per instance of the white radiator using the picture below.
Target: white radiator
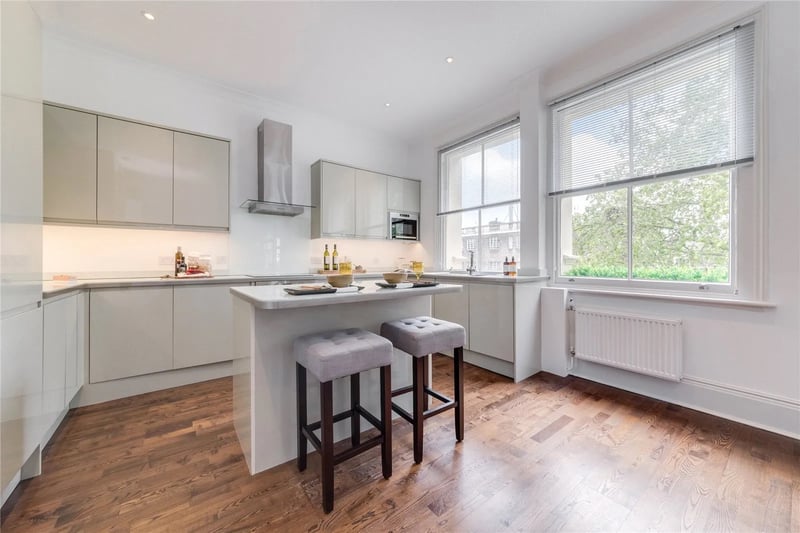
(647, 345)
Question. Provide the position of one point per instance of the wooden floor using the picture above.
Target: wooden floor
(545, 454)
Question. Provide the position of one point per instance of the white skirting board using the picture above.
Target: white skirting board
(92, 393)
(779, 415)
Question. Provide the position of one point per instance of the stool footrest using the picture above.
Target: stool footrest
(336, 418)
(402, 390)
(439, 408)
(370, 417)
(438, 395)
(309, 429)
(448, 404)
(352, 452)
(403, 413)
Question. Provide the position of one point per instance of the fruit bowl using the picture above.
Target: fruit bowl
(395, 277)
(340, 280)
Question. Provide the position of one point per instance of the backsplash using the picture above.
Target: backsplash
(373, 255)
(85, 250)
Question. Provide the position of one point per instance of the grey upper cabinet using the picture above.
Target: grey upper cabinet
(134, 173)
(372, 219)
(70, 165)
(333, 191)
(403, 195)
(103, 170)
(352, 202)
(201, 181)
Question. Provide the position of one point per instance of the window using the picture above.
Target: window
(648, 166)
(479, 198)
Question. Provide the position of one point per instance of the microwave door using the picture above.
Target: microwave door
(404, 229)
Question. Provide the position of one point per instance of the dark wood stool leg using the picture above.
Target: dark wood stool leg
(326, 416)
(386, 420)
(458, 389)
(302, 417)
(355, 418)
(418, 393)
(426, 382)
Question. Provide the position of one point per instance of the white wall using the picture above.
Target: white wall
(83, 76)
(740, 363)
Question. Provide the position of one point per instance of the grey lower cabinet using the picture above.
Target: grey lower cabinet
(491, 320)
(142, 330)
(203, 325)
(61, 368)
(70, 165)
(454, 307)
(501, 321)
(134, 173)
(130, 332)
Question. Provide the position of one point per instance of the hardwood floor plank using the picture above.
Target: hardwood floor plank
(548, 453)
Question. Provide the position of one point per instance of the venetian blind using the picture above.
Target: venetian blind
(689, 112)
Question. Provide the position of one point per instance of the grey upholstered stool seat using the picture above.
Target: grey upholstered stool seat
(421, 336)
(336, 354)
(331, 355)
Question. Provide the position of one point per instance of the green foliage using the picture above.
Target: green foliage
(680, 228)
(713, 275)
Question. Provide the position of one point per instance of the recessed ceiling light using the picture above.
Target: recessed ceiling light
(148, 15)
(449, 59)
(387, 104)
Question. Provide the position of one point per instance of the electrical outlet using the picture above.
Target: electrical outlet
(165, 260)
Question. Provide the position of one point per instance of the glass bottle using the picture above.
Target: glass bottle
(178, 260)
(326, 259)
(335, 259)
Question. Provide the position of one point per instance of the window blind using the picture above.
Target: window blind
(691, 111)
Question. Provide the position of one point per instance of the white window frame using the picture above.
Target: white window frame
(747, 225)
(504, 124)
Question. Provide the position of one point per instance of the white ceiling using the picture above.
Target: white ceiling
(347, 59)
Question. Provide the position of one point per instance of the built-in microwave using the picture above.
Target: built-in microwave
(404, 226)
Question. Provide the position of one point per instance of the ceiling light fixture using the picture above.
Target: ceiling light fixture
(387, 104)
(449, 59)
(149, 16)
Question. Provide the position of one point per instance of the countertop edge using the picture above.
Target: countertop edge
(298, 302)
(59, 287)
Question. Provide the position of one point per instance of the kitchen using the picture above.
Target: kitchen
(114, 81)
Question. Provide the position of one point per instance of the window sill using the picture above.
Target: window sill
(688, 298)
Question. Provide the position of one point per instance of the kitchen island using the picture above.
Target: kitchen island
(266, 320)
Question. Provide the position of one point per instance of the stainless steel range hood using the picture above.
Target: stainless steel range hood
(274, 172)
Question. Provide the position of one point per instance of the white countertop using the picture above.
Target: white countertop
(274, 297)
(52, 288)
(482, 278)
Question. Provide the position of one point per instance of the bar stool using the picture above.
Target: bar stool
(328, 356)
(420, 337)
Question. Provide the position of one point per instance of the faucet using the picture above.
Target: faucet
(471, 268)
